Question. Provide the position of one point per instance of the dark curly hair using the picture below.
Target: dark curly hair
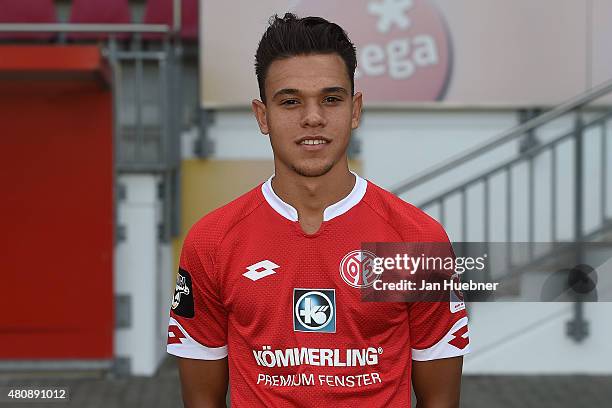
(290, 36)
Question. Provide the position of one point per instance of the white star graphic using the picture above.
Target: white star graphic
(391, 12)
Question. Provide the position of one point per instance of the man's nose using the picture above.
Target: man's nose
(313, 115)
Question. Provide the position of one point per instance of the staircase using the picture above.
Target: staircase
(546, 184)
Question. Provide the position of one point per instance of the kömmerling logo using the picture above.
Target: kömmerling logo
(314, 310)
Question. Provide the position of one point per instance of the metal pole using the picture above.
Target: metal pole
(139, 99)
(553, 194)
(604, 172)
(531, 214)
(83, 28)
(166, 75)
(508, 217)
(578, 187)
(176, 131)
(176, 15)
(578, 327)
(116, 96)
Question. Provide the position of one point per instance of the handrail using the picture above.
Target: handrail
(84, 28)
(511, 134)
(510, 162)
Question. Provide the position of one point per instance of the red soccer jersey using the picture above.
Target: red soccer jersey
(254, 287)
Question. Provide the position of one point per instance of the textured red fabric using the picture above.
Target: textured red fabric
(254, 317)
(161, 12)
(104, 12)
(27, 11)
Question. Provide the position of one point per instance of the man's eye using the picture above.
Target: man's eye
(332, 99)
(289, 102)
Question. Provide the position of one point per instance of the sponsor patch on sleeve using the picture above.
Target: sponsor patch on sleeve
(182, 302)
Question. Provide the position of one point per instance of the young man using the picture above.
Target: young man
(267, 288)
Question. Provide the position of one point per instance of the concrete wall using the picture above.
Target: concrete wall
(143, 271)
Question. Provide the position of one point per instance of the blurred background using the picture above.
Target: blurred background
(125, 121)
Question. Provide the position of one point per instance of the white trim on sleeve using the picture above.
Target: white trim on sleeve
(186, 346)
(453, 344)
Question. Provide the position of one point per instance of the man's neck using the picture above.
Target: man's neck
(310, 196)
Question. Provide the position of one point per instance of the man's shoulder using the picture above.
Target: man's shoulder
(412, 223)
(209, 230)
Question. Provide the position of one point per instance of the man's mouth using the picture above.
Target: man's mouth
(313, 141)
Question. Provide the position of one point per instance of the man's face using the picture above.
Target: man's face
(309, 113)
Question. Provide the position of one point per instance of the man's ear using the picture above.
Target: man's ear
(357, 104)
(261, 114)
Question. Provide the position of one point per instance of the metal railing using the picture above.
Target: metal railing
(505, 175)
(576, 134)
(505, 137)
(60, 28)
(98, 28)
(528, 158)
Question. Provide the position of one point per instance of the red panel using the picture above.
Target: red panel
(27, 11)
(96, 11)
(190, 20)
(46, 58)
(57, 210)
(53, 62)
(161, 12)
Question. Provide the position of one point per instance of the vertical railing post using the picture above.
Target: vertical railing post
(176, 16)
(553, 194)
(138, 100)
(165, 134)
(176, 127)
(532, 207)
(578, 179)
(578, 328)
(508, 217)
(113, 60)
(464, 221)
(487, 225)
(604, 174)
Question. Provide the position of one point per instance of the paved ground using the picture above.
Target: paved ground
(162, 391)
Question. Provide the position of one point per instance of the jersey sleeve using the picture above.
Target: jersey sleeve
(198, 320)
(435, 332)
(439, 329)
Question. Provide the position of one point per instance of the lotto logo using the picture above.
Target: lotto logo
(460, 338)
(314, 310)
(260, 270)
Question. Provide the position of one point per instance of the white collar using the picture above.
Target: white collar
(334, 210)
